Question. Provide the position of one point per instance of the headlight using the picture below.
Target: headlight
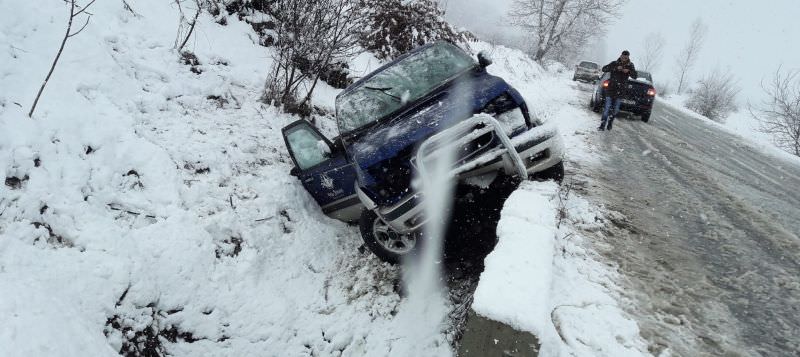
(507, 112)
(511, 120)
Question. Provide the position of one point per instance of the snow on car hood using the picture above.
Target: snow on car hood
(439, 111)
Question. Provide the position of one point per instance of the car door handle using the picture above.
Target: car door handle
(310, 179)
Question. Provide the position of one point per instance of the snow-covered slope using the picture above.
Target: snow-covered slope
(740, 123)
(154, 199)
(148, 205)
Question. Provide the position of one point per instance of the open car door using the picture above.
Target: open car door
(323, 170)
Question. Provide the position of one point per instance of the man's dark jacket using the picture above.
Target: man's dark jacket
(618, 83)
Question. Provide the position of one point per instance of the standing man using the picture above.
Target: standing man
(620, 70)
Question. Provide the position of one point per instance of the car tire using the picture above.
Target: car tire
(646, 117)
(388, 245)
(555, 173)
(595, 106)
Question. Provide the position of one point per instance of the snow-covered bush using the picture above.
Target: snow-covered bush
(393, 27)
(715, 95)
(310, 37)
(313, 39)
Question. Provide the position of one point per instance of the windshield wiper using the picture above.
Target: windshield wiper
(385, 90)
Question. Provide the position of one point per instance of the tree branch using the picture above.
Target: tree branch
(81, 29)
(55, 61)
(84, 8)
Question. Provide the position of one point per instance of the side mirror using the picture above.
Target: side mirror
(484, 59)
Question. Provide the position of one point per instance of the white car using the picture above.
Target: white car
(587, 71)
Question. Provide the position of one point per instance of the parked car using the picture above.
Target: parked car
(394, 120)
(638, 98)
(587, 71)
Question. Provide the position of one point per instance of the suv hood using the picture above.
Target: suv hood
(436, 111)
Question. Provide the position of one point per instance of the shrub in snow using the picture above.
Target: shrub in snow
(257, 13)
(310, 36)
(314, 39)
(146, 332)
(715, 95)
(393, 27)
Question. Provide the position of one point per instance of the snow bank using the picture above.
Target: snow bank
(515, 284)
(541, 278)
(587, 315)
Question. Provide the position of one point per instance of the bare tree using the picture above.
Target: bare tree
(715, 95)
(688, 55)
(562, 27)
(310, 35)
(779, 114)
(653, 51)
(67, 34)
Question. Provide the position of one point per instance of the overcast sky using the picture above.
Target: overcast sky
(752, 38)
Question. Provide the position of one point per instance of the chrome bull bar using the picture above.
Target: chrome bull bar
(464, 133)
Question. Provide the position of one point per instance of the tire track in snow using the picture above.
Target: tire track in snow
(711, 269)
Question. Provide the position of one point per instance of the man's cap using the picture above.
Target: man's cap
(626, 53)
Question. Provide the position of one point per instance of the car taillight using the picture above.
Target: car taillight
(651, 92)
(605, 83)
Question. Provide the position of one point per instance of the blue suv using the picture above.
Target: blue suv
(395, 120)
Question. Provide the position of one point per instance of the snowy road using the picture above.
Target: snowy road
(707, 237)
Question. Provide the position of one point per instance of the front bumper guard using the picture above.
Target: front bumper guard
(516, 156)
(462, 134)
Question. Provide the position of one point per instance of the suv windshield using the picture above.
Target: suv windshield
(588, 65)
(402, 82)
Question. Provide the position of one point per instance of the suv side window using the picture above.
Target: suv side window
(308, 147)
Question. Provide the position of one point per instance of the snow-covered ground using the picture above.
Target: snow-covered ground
(579, 313)
(740, 123)
(158, 199)
(149, 206)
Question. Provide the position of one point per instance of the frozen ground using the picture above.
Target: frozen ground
(704, 231)
(740, 123)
